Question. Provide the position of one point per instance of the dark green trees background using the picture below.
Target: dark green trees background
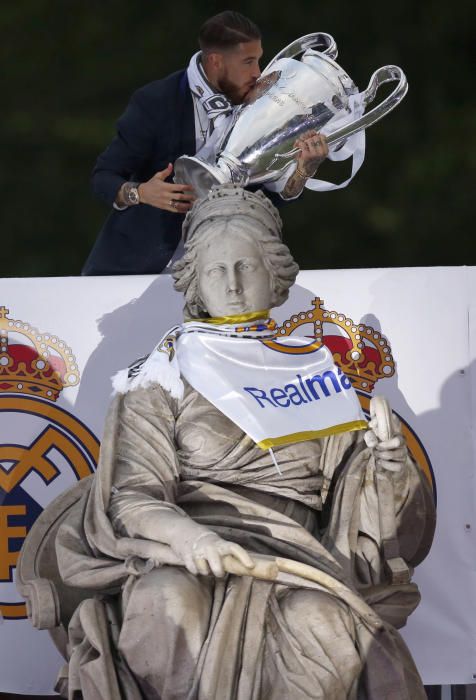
(68, 69)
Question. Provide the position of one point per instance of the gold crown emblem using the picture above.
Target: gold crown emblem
(34, 363)
(361, 352)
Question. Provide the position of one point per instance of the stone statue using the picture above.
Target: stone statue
(222, 570)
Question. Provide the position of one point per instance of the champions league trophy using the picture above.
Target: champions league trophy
(290, 98)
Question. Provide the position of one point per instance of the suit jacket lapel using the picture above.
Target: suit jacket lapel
(187, 126)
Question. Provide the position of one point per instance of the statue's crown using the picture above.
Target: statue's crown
(228, 201)
(361, 352)
(39, 364)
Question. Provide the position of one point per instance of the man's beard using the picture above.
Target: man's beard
(235, 94)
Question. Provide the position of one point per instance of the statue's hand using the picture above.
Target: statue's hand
(204, 553)
(390, 454)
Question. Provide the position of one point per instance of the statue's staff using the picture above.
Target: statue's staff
(266, 568)
(382, 426)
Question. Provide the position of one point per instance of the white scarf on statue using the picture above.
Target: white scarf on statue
(277, 390)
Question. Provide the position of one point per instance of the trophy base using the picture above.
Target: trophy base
(191, 170)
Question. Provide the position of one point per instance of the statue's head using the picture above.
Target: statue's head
(234, 261)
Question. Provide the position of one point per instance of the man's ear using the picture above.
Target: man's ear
(215, 60)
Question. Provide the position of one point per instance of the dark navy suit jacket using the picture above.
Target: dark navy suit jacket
(157, 127)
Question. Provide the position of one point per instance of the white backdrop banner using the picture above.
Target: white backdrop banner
(408, 334)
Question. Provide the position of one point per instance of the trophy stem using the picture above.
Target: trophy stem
(192, 170)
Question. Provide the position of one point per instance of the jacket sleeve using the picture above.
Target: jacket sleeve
(129, 151)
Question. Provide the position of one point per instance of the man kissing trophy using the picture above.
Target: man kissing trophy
(292, 99)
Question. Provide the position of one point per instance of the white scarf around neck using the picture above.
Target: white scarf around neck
(278, 391)
(216, 105)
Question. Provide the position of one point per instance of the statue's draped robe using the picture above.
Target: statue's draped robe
(163, 633)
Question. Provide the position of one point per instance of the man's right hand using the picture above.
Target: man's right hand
(166, 195)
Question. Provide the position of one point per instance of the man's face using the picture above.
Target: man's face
(238, 70)
(232, 278)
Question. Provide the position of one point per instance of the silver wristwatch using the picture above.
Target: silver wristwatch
(130, 193)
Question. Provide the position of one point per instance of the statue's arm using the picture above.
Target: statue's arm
(145, 464)
(413, 504)
(143, 493)
(353, 503)
(415, 512)
(146, 468)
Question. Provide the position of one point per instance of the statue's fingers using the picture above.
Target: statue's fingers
(389, 465)
(241, 554)
(373, 423)
(394, 443)
(202, 566)
(393, 455)
(215, 562)
(371, 440)
(190, 564)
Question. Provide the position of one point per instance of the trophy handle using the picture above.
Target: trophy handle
(320, 41)
(382, 75)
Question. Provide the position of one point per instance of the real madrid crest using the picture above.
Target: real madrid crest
(363, 354)
(44, 449)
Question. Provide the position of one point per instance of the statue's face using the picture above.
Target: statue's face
(232, 278)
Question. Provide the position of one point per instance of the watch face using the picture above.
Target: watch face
(131, 194)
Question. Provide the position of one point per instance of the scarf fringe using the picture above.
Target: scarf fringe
(161, 366)
(120, 382)
(157, 369)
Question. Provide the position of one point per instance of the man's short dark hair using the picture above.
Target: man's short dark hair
(226, 30)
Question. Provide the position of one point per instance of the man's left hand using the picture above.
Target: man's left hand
(314, 151)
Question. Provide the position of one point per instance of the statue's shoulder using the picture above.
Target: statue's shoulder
(148, 385)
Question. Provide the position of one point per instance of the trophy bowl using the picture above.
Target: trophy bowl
(290, 98)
